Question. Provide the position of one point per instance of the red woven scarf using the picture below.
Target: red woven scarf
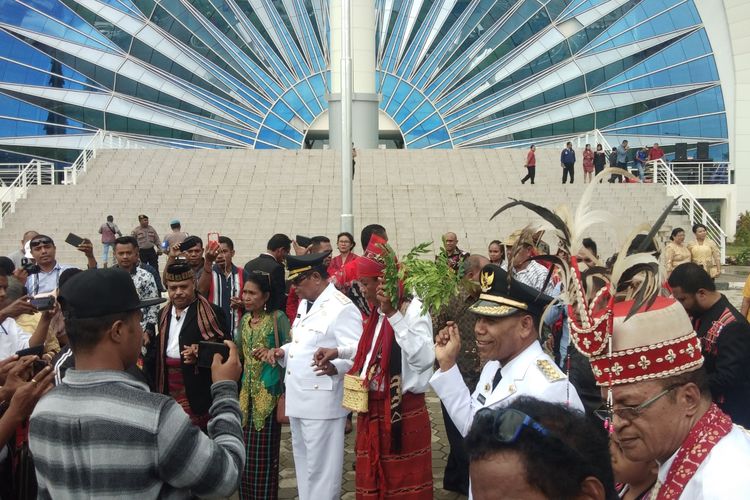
(381, 373)
(701, 439)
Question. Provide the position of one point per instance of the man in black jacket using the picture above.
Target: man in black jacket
(271, 262)
(185, 321)
(725, 339)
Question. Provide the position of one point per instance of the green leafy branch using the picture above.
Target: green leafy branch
(433, 281)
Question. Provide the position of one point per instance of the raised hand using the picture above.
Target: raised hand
(447, 346)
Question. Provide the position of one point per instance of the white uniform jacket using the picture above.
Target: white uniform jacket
(723, 475)
(531, 373)
(333, 320)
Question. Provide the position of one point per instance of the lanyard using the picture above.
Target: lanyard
(57, 280)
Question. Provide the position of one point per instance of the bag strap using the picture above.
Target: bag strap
(276, 329)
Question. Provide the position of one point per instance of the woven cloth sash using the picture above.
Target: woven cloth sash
(701, 439)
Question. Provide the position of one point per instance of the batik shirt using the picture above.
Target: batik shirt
(146, 288)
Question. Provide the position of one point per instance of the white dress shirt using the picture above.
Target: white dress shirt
(12, 338)
(413, 333)
(175, 326)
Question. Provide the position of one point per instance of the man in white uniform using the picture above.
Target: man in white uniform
(661, 406)
(507, 338)
(325, 318)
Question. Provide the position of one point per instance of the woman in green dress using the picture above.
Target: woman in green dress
(261, 386)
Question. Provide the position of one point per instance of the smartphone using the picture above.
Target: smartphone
(213, 237)
(45, 303)
(38, 366)
(74, 239)
(31, 351)
(188, 244)
(206, 351)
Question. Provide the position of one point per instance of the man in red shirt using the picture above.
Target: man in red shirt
(655, 153)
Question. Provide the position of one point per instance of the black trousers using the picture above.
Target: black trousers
(568, 169)
(456, 476)
(530, 175)
(618, 177)
(148, 255)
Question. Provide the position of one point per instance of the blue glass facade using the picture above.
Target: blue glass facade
(452, 73)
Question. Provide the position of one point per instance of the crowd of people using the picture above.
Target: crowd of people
(595, 160)
(560, 374)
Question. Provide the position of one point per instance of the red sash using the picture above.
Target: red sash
(706, 433)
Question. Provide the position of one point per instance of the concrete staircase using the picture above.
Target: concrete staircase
(249, 195)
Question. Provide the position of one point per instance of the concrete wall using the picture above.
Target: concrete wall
(731, 49)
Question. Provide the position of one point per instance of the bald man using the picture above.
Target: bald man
(456, 476)
(455, 255)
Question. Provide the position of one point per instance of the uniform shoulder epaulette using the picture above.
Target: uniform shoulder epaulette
(550, 371)
(342, 298)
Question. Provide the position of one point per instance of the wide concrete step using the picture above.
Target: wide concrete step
(251, 194)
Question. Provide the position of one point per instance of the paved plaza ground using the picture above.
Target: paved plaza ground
(734, 277)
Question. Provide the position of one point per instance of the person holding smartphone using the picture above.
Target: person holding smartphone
(44, 252)
(158, 452)
(12, 337)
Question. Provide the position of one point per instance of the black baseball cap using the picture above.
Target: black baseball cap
(99, 292)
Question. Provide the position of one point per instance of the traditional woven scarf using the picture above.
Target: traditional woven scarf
(701, 439)
(386, 360)
(207, 325)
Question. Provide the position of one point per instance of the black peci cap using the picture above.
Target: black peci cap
(100, 292)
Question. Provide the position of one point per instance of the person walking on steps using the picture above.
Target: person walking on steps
(530, 165)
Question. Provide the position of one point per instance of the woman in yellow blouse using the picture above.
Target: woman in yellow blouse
(704, 252)
(677, 253)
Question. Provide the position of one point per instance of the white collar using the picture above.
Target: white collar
(516, 367)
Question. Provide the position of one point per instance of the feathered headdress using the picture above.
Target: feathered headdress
(617, 318)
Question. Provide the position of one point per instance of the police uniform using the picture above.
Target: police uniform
(530, 373)
(313, 403)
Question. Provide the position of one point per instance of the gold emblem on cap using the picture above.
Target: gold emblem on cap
(485, 281)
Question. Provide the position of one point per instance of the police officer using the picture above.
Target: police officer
(507, 338)
(325, 318)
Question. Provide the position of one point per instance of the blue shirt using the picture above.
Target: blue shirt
(568, 156)
(45, 282)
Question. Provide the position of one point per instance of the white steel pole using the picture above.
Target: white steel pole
(347, 218)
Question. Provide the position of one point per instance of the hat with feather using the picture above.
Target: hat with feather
(620, 319)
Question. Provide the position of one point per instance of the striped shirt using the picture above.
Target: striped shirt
(103, 435)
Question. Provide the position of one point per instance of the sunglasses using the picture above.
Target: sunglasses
(264, 274)
(508, 423)
(41, 242)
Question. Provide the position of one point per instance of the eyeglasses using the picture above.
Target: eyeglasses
(40, 242)
(631, 412)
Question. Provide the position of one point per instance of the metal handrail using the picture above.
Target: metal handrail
(36, 172)
(663, 174)
(100, 140)
(80, 165)
(703, 172)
